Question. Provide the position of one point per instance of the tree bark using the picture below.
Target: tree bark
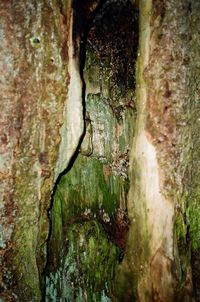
(159, 245)
(34, 90)
(42, 126)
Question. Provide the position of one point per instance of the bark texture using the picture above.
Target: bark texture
(41, 129)
(39, 68)
(163, 172)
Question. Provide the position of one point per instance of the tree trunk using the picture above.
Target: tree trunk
(44, 118)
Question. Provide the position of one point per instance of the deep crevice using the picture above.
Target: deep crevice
(109, 44)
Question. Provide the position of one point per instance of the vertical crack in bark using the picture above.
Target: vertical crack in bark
(100, 167)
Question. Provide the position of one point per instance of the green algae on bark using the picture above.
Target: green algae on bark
(89, 191)
(94, 189)
(87, 269)
(90, 185)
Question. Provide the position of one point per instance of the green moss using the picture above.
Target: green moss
(193, 217)
(125, 289)
(180, 231)
(57, 229)
(87, 188)
(97, 185)
(88, 268)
